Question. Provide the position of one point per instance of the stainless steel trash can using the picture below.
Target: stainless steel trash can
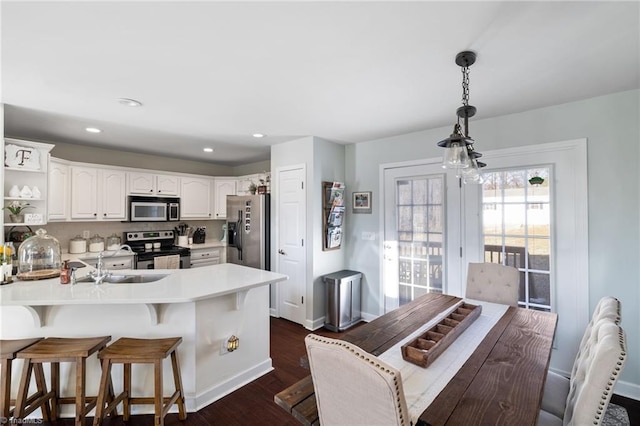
(343, 299)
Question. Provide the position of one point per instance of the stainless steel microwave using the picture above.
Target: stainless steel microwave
(154, 209)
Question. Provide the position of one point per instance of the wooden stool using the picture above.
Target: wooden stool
(8, 351)
(129, 351)
(56, 350)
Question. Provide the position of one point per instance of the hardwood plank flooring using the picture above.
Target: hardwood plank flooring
(253, 404)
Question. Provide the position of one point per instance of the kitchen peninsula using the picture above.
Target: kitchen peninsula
(205, 306)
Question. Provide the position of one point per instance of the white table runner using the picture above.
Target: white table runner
(422, 385)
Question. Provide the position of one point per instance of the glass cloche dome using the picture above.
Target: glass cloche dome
(39, 257)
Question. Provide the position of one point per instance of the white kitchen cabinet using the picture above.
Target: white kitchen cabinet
(59, 190)
(153, 184)
(109, 263)
(195, 199)
(245, 181)
(98, 194)
(221, 188)
(26, 164)
(206, 256)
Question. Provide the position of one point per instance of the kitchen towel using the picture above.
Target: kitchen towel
(167, 262)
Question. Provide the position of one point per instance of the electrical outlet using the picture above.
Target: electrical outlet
(86, 234)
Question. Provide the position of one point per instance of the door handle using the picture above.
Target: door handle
(282, 252)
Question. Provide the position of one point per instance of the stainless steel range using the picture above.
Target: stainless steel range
(150, 244)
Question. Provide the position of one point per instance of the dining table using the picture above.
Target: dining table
(500, 383)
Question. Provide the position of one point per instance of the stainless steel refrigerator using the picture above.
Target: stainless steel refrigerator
(248, 230)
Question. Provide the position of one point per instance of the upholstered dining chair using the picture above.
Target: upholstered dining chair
(492, 282)
(588, 391)
(353, 387)
(556, 387)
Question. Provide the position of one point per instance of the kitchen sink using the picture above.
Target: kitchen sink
(126, 279)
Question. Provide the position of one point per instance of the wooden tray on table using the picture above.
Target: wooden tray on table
(424, 349)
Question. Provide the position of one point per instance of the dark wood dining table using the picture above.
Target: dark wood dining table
(500, 384)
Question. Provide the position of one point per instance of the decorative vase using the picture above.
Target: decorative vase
(26, 192)
(14, 191)
(35, 192)
(16, 218)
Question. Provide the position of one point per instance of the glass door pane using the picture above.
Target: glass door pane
(420, 228)
(516, 224)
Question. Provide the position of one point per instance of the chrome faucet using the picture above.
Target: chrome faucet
(100, 273)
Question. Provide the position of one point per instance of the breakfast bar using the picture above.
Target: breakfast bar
(205, 306)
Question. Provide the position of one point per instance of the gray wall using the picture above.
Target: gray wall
(610, 124)
(328, 165)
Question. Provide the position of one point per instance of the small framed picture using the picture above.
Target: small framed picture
(362, 202)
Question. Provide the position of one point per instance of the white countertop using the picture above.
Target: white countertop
(180, 285)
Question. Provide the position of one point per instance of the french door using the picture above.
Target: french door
(421, 240)
(538, 227)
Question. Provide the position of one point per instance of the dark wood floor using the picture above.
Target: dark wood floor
(253, 404)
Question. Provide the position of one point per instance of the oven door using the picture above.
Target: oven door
(145, 211)
(185, 263)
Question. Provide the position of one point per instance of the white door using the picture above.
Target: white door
(291, 258)
(421, 232)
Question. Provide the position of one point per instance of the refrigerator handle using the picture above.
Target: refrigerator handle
(238, 234)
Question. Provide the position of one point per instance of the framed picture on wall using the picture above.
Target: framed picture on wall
(362, 202)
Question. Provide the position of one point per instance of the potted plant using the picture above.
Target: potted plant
(253, 188)
(15, 210)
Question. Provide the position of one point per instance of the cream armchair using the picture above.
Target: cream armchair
(492, 282)
(353, 387)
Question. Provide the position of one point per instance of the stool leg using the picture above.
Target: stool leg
(177, 378)
(55, 388)
(157, 369)
(126, 407)
(23, 388)
(103, 390)
(41, 384)
(80, 390)
(5, 387)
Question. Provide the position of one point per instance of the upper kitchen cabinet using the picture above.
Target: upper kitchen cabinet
(221, 188)
(195, 198)
(59, 190)
(258, 179)
(98, 194)
(26, 180)
(153, 184)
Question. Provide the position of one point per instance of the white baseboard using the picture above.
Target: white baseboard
(274, 312)
(368, 317)
(223, 389)
(630, 390)
(315, 324)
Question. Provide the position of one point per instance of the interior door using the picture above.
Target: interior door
(291, 258)
(421, 233)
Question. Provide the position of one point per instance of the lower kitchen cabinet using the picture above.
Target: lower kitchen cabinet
(127, 261)
(207, 256)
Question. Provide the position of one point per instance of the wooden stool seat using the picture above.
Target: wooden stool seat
(55, 350)
(129, 351)
(8, 351)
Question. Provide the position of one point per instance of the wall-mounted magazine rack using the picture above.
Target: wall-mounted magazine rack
(333, 210)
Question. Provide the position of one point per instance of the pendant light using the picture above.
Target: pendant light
(459, 153)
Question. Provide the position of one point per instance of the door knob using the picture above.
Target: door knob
(281, 252)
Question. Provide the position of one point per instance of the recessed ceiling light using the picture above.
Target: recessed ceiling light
(258, 135)
(93, 130)
(207, 149)
(129, 102)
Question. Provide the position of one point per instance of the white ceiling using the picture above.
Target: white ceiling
(213, 73)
